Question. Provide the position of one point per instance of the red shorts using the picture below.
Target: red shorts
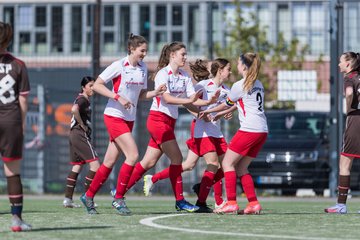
(247, 143)
(117, 126)
(201, 146)
(161, 128)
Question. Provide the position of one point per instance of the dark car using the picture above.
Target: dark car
(295, 154)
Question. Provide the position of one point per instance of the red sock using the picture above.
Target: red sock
(137, 173)
(176, 181)
(230, 185)
(160, 175)
(205, 185)
(123, 179)
(100, 177)
(218, 192)
(248, 187)
(219, 175)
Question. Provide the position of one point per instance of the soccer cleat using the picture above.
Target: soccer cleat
(120, 205)
(203, 208)
(69, 203)
(229, 207)
(148, 184)
(196, 189)
(18, 225)
(113, 192)
(89, 204)
(337, 208)
(184, 205)
(220, 205)
(251, 208)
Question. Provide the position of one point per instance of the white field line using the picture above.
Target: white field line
(150, 222)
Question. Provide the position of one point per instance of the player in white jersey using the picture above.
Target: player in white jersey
(247, 142)
(129, 79)
(162, 119)
(213, 144)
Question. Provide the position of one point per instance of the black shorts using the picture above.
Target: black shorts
(11, 141)
(351, 142)
(81, 149)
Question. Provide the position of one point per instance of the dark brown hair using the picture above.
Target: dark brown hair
(354, 59)
(6, 34)
(135, 41)
(199, 70)
(164, 58)
(217, 64)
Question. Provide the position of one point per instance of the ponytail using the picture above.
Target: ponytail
(354, 59)
(134, 41)
(164, 58)
(252, 62)
(199, 70)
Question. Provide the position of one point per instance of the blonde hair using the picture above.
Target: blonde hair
(252, 62)
(5, 35)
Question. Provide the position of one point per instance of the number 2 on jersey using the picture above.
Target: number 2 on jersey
(259, 99)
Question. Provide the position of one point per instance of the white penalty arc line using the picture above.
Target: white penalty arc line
(150, 222)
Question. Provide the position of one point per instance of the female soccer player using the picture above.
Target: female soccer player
(129, 79)
(206, 138)
(14, 89)
(349, 65)
(162, 119)
(247, 142)
(81, 149)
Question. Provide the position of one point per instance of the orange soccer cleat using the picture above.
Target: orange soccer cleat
(251, 208)
(229, 207)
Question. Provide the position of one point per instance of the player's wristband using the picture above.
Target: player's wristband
(116, 98)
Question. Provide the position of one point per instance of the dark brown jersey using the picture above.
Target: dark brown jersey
(14, 81)
(84, 110)
(353, 80)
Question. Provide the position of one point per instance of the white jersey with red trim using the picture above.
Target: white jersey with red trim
(128, 81)
(179, 86)
(210, 129)
(250, 106)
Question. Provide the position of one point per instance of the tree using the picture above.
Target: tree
(249, 36)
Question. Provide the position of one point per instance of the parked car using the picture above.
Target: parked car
(295, 154)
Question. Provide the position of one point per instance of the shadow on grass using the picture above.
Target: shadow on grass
(68, 228)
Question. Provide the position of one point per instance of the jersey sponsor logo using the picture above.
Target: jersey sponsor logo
(5, 68)
(6, 86)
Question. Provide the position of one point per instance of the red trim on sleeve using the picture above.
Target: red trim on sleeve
(116, 83)
(241, 103)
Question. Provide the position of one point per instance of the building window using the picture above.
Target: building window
(193, 28)
(56, 29)
(352, 27)
(145, 22)
(108, 16)
(40, 16)
(25, 17)
(109, 43)
(40, 43)
(300, 23)
(89, 14)
(124, 27)
(76, 29)
(9, 18)
(284, 21)
(160, 15)
(177, 15)
(160, 40)
(317, 25)
(177, 36)
(24, 42)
